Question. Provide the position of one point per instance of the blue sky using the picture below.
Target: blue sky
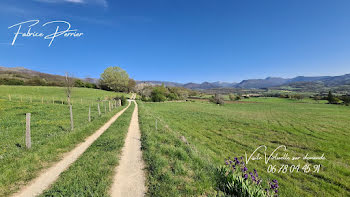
(183, 40)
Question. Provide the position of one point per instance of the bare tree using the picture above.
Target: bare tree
(69, 84)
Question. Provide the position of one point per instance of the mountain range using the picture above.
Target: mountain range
(269, 82)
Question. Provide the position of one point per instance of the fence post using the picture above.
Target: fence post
(28, 140)
(9, 97)
(81, 101)
(89, 113)
(71, 117)
(120, 102)
(99, 110)
(109, 105)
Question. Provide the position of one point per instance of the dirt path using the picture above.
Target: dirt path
(44, 180)
(129, 180)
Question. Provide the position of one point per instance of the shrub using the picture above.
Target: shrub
(297, 96)
(217, 99)
(237, 98)
(235, 180)
(158, 94)
(6, 81)
(346, 99)
(232, 97)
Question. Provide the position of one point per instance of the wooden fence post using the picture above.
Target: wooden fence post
(89, 113)
(99, 110)
(81, 101)
(9, 97)
(28, 140)
(71, 117)
(120, 102)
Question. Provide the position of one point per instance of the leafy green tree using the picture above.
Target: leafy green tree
(79, 83)
(159, 94)
(115, 78)
(131, 85)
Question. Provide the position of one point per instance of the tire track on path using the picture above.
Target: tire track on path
(129, 180)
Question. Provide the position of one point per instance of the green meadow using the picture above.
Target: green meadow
(37, 93)
(50, 128)
(184, 143)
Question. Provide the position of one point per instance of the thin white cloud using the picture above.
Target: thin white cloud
(75, 1)
(102, 3)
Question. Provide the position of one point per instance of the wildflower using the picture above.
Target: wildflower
(256, 173)
(245, 176)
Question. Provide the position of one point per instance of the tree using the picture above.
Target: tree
(346, 99)
(217, 99)
(79, 83)
(331, 99)
(158, 94)
(131, 85)
(232, 97)
(69, 84)
(115, 78)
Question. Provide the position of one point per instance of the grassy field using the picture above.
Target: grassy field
(37, 93)
(92, 174)
(50, 129)
(217, 132)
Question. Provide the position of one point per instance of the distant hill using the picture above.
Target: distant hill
(24, 74)
(20, 76)
(166, 83)
(261, 83)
